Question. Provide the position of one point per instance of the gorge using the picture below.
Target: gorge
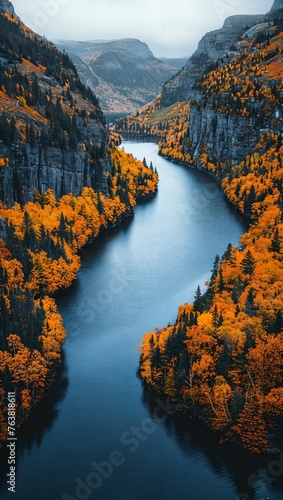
(125, 288)
(64, 181)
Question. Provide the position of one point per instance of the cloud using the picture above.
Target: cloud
(170, 27)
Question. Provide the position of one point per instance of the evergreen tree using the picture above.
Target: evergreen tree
(248, 263)
(276, 242)
(198, 302)
(224, 362)
(237, 405)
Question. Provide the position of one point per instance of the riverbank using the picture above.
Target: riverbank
(209, 359)
(130, 281)
(39, 257)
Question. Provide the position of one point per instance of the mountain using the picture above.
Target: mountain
(52, 130)
(206, 101)
(223, 114)
(7, 7)
(223, 120)
(277, 5)
(124, 74)
(63, 181)
(213, 46)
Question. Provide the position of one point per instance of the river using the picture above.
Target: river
(99, 434)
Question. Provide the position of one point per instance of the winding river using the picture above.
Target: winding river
(99, 434)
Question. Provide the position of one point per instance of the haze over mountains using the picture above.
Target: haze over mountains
(124, 74)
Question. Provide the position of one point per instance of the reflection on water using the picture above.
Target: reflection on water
(40, 422)
(255, 477)
(132, 280)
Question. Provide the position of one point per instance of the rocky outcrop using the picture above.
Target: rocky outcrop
(6, 6)
(242, 21)
(33, 167)
(214, 46)
(222, 136)
(52, 131)
(277, 5)
(225, 136)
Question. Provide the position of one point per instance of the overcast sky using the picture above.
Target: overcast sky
(170, 27)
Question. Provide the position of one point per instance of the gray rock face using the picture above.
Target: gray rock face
(35, 162)
(6, 6)
(242, 21)
(211, 48)
(224, 136)
(33, 167)
(277, 5)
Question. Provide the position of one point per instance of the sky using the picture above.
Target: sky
(171, 28)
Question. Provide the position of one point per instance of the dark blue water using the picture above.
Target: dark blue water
(99, 434)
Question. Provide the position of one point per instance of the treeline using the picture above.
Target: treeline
(169, 124)
(39, 256)
(223, 358)
(249, 85)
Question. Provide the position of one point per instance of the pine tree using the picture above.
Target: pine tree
(198, 302)
(224, 362)
(248, 263)
(276, 242)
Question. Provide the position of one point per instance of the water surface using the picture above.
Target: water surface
(100, 434)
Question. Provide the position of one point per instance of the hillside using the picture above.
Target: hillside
(222, 360)
(62, 182)
(124, 74)
(52, 131)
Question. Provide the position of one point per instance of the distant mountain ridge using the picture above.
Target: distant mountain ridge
(211, 47)
(124, 74)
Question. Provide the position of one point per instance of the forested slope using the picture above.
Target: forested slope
(62, 182)
(223, 359)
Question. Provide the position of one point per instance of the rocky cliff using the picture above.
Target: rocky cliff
(233, 131)
(215, 45)
(231, 116)
(226, 99)
(234, 85)
(52, 131)
(277, 5)
(6, 6)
